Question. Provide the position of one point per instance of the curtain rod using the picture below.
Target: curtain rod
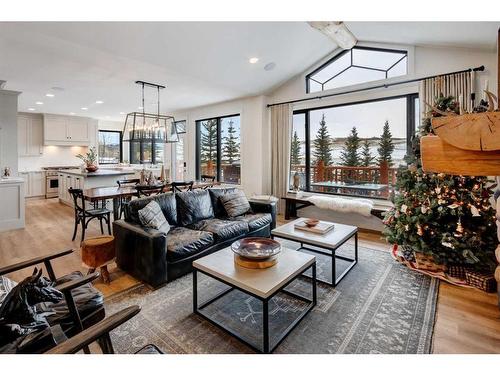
(478, 69)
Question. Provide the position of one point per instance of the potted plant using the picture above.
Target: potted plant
(90, 160)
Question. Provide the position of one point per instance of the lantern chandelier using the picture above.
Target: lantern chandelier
(142, 126)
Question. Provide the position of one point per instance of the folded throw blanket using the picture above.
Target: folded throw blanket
(359, 206)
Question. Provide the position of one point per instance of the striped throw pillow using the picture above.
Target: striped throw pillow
(235, 204)
(151, 216)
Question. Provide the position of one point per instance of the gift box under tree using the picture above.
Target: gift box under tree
(480, 280)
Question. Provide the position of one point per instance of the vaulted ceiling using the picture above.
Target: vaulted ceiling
(200, 63)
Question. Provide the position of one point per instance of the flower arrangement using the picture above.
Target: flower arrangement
(90, 159)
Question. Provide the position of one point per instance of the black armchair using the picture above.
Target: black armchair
(82, 306)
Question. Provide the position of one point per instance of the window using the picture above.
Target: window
(144, 152)
(110, 147)
(352, 149)
(358, 65)
(218, 148)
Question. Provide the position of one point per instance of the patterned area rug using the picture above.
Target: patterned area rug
(379, 307)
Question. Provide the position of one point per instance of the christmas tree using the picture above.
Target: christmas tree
(447, 217)
(366, 156)
(349, 155)
(386, 147)
(231, 146)
(323, 144)
(295, 149)
(209, 141)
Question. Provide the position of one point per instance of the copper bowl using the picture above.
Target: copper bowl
(256, 247)
(92, 168)
(311, 222)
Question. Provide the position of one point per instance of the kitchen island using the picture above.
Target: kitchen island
(77, 179)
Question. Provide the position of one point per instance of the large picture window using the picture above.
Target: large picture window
(358, 65)
(352, 149)
(110, 147)
(218, 148)
(146, 152)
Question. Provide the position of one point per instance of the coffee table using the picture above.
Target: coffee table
(262, 284)
(326, 244)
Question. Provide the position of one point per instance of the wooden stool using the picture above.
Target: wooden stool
(99, 252)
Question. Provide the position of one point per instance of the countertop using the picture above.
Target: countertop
(98, 173)
(11, 180)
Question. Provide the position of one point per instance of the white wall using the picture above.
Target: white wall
(8, 130)
(255, 139)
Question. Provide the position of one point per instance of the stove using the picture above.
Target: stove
(52, 180)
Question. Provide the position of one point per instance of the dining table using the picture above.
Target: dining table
(115, 193)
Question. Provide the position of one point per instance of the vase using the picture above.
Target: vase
(92, 168)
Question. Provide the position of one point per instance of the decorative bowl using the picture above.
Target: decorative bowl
(92, 168)
(311, 222)
(256, 247)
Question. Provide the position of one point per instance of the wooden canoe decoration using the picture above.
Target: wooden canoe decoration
(441, 157)
(471, 131)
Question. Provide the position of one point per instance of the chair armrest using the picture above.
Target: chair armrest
(265, 207)
(91, 334)
(31, 262)
(73, 284)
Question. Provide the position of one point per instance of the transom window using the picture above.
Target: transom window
(358, 65)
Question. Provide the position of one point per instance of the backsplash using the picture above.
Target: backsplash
(52, 156)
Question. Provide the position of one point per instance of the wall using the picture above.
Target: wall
(255, 139)
(8, 130)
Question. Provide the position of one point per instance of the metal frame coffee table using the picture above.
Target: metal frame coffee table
(326, 244)
(262, 284)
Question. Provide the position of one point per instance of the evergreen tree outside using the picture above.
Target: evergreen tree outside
(231, 146)
(350, 154)
(386, 147)
(209, 141)
(295, 149)
(366, 156)
(448, 217)
(323, 144)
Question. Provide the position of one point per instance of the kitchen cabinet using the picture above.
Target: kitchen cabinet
(67, 181)
(29, 135)
(34, 183)
(61, 130)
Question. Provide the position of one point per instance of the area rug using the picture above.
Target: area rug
(379, 307)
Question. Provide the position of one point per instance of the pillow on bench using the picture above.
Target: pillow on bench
(235, 204)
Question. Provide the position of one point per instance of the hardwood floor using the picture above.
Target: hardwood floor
(468, 320)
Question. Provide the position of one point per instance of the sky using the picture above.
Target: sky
(369, 118)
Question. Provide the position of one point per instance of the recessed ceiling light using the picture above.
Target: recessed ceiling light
(122, 113)
(253, 60)
(84, 108)
(31, 109)
(99, 102)
(140, 107)
(72, 113)
(49, 95)
(39, 103)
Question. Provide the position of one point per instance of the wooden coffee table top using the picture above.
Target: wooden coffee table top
(329, 240)
(260, 282)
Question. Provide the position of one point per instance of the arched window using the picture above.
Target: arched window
(358, 65)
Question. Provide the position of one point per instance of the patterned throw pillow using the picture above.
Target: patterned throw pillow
(151, 216)
(235, 204)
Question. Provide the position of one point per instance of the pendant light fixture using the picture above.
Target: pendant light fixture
(149, 127)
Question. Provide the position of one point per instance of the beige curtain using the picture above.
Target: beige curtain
(457, 85)
(281, 129)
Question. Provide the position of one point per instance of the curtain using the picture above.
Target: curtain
(281, 129)
(457, 85)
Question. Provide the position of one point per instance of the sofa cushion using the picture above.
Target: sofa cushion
(183, 242)
(255, 221)
(217, 205)
(151, 216)
(193, 206)
(166, 201)
(235, 203)
(222, 229)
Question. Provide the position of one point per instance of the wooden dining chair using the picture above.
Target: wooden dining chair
(84, 216)
(207, 178)
(124, 200)
(148, 190)
(181, 186)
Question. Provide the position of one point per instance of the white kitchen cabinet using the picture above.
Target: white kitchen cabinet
(29, 135)
(34, 183)
(61, 130)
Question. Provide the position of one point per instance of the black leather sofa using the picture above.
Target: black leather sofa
(199, 226)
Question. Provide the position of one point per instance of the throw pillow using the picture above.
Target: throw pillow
(235, 204)
(151, 216)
